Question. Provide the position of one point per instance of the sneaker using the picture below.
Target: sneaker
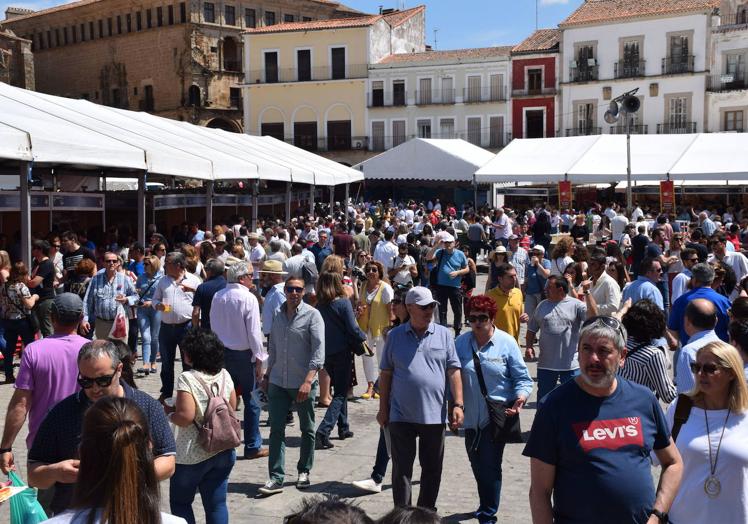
(368, 485)
(303, 481)
(271, 487)
(322, 442)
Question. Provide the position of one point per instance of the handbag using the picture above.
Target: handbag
(359, 348)
(504, 428)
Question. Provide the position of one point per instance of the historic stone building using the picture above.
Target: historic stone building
(16, 60)
(178, 59)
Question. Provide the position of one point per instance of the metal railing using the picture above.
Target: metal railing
(294, 74)
(677, 65)
(483, 138)
(474, 95)
(733, 18)
(638, 129)
(386, 99)
(583, 74)
(329, 143)
(676, 128)
(629, 68)
(434, 96)
(233, 66)
(526, 91)
(726, 82)
(584, 131)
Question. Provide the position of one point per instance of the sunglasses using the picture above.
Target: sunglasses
(111, 261)
(430, 306)
(294, 289)
(708, 369)
(478, 318)
(102, 382)
(372, 270)
(611, 322)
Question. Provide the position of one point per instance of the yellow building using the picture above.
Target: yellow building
(305, 82)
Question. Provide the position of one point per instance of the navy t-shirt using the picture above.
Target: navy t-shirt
(600, 447)
(204, 298)
(676, 321)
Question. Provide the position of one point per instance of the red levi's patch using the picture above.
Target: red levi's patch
(609, 434)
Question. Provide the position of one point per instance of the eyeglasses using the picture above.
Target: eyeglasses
(430, 306)
(294, 289)
(372, 270)
(478, 318)
(111, 261)
(708, 369)
(103, 382)
(611, 322)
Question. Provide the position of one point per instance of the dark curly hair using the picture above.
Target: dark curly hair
(644, 321)
(204, 349)
(328, 509)
(482, 303)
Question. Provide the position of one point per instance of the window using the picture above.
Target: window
(271, 67)
(678, 114)
(495, 131)
(584, 118)
(229, 15)
(631, 59)
(742, 15)
(448, 92)
(101, 29)
(65, 35)
(182, 13)
(679, 60)
(304, 65)
(288, 18)
(194, 96)
(377, 95)
(447, 128)
(209, 12)
(424, 128)
(497, 87)
(534, 123)
(269, 18)
(73, 30)
(474, 131)
(159, 16)
(305, 135)
(306, 19)
(275, 130)
(534, 81)
(58, 40)
(338, 135)
(733, 121)
(377, 136)
(424, 92)
(116, 97)
(398, 93)
(337, 59)
(473, 89)
(170, 11)
(398, 132)
(128, 23)
(138, 21)
(235, 97)
(250, 18)
(83, 33)
(90, 30)
(735, 70)
(119, 26)
(148, 102)
(586, 65)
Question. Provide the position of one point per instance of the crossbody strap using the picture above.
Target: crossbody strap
(479, 372)
(141, 295)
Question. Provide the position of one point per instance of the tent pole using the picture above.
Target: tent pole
(209, 207)
(475, 194)
(629, 197)
(347, 197)
(312, 190)
(288, 203)
(255, 202)
(332, 199)
(141, 207)
(25, 176)
(103, 206)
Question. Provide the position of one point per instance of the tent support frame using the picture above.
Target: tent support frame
(25, 171)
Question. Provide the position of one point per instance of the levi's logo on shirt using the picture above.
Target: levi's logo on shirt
(609, 434)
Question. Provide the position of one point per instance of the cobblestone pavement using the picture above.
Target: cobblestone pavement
(349, 460)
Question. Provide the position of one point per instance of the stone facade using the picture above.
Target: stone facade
(178, 59)
(16, 61)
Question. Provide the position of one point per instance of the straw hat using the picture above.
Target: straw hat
(273, 266)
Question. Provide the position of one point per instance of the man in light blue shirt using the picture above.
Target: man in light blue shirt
(700, 320)
(645, 286)
(273, 276)
(451, 264)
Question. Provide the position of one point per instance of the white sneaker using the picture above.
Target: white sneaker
(271, 487)
(368, 485)
(303, 481)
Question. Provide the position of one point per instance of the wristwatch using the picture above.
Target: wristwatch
(6, 450)
(664, 518)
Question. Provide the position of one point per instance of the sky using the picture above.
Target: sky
(458, 23)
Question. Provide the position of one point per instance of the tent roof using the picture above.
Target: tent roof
(427, 159)
(602, 159)
(14, 144)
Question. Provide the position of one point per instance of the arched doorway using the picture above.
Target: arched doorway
(225, 124)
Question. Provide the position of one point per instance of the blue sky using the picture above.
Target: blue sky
(460, 23)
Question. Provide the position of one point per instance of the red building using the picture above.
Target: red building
(535, 70)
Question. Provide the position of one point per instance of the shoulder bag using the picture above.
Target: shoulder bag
(503, 428)
(357, 347)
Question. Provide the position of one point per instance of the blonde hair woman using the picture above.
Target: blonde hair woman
(373, 314)
(714, 486)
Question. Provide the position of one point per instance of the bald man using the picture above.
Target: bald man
(700, 321)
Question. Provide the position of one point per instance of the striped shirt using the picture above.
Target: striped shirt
(99, 301)
(647, 365)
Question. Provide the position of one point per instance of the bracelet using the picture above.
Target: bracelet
(6, 450)
(461, 406)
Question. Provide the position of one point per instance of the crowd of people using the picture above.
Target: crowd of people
(624, 313)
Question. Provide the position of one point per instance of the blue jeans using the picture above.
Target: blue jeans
(149, 321)
(548, 379)
(485, 460)
(381, 461)
(242, 370)
(169, 338)
(12, 330)
(211, 477)
(338, 366)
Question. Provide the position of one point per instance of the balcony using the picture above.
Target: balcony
(386, 99)
(583, 74)
(726, 82)
(584, 131)
(475, 95)
(676, 128)
(329, 143)
(677, 65)
(533, 91)
(638, 129)
(314, 74)
(482, 138)
(435, 97)
(232, 66)
(734, 18)
(629, 68)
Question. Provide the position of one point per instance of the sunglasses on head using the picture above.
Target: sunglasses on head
(103, 382)
(611, 322)
(708, 369)
(478, 318)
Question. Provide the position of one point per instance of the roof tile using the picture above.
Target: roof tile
(592, 11)
(542, 40)
(451, 55)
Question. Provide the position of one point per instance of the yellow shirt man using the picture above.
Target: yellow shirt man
(510, 308)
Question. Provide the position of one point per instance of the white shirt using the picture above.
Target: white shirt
(385, 252)
(680, 285)
(170, 292)
(403, 275)
(409, 216)
(607, 294)
(80, 516)
(273, 300)
(235, 319)
(636, 214)
(256, 256)
(617, 224)
(506, 232)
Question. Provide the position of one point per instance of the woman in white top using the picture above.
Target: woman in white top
(712, 441)
(373, 315)
(197, 468)
(561, 255)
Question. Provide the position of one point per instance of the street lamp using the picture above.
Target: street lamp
(625, 104)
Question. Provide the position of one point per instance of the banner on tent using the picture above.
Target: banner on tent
(564, 194)
(667, 196)
(164, 202)
(11, 201)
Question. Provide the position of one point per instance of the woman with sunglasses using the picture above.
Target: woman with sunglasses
(373, 313)
(149, 319)
(503, 370)
(714, 485)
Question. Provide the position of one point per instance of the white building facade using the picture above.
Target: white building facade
(440, 94)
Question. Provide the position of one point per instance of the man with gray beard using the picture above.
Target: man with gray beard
(597, 431)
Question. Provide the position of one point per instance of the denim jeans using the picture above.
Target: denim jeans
(338, 366)
(169, 338)
(381, 461)
(485, 460)
(149, 321)
(211, 478)
(548, 379)
(280, 401)
(14, 329)
(242, 370)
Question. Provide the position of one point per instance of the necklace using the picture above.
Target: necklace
(712, 486)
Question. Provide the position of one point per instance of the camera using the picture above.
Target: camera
(358, 273)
